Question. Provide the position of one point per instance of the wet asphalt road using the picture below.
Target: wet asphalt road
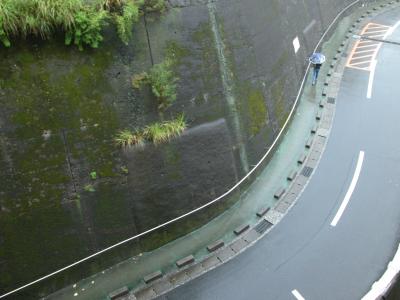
(304, 252)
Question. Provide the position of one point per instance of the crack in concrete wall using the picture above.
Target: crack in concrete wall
(148, 39)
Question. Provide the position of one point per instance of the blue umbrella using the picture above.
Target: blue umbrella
(317, 58)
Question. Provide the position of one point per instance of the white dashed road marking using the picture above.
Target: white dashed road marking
(297, 295)
(350, 191)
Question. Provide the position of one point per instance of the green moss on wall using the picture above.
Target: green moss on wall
(209, 68)
(56, 107)
(278, 96)
(258, 111)
(176, 52)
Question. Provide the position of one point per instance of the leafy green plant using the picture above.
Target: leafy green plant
(87, 28)
(3, 35)
(93, 175)
(127, 138)
(130, 15)
(163, 83)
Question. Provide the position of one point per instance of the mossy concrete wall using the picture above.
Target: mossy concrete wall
(60, 109)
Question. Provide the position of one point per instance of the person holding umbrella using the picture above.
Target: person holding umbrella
(317, 59)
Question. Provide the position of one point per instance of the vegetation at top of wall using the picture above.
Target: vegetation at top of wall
(155, 6)
(125, 21)
(146, 5)
(82, 21)
(36, 17)
(87, 28)
(113, 5)
(155, 133)
(162, 81)
(3, 35)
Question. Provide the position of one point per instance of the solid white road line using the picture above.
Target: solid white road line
(371, 78)
(297, 295)
(350, 190)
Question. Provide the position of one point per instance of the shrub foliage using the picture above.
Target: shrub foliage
(82, 21)
(162, 81)
(20, 18)
(87, 28)
(125, 21)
